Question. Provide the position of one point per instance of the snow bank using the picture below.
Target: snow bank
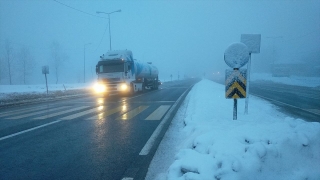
(292, 80)
(41, 88)
(15, 94)
(208, 144)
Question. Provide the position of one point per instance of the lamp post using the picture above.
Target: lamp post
(84, 62)
(98, 12)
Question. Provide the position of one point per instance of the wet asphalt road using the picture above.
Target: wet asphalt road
(299, 102)
(83, 138)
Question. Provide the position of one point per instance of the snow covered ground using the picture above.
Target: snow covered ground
(12, 94)
(292, 80)
(204, 142)
(40, 88)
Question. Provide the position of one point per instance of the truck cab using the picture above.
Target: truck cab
(118, 73)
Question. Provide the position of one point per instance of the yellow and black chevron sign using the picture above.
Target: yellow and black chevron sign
(236, 81)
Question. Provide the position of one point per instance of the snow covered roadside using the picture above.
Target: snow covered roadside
(292, 80)
(40, 88)
(12, 94)
(203, 142)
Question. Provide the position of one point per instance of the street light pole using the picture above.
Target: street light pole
(98, 12)
(84, 62)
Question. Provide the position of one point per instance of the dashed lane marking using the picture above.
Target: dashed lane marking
(107, 113)
(73, 116)
(19, 111)
(62, 112)
(36, 113)
(158, 113)
(132, 113)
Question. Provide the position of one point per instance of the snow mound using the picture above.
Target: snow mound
(262, 145)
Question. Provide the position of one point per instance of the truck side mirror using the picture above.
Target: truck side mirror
(97, 69)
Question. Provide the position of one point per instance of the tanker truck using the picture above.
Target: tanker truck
(119, 73)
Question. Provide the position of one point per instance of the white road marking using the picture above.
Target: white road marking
(312, 111)
(61, 112)
(147, 147)
(73, 116)
(106, 113)
(36, 113)
(158, 113)
(19, 111)
(28, 130)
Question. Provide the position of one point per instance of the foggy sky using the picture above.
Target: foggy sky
(185, 37)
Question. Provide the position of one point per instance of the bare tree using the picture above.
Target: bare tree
(9, 58)
(58, 58)
(26, 63)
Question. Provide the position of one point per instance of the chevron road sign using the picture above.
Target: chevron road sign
(236, 56)
(236, 83)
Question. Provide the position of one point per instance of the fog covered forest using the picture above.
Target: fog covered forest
(183, 39)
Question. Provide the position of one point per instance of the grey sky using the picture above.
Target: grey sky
(188, 37)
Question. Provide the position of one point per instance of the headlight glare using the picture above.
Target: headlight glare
(100, 88)
(124, 87)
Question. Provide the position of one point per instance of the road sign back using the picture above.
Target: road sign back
(236, 83)
(236, 55)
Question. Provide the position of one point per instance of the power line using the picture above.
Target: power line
(79, 10)
(86, 14)
(302, 36)
(101, 38)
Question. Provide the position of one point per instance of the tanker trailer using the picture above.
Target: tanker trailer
(119, 73)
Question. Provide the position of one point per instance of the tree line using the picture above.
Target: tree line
(17, 66)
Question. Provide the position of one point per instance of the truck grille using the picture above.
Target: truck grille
(111, 86)
(110, 80)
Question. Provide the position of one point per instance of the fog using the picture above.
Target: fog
(182, 38)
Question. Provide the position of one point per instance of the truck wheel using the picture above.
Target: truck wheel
(157, 86)
(131, 89)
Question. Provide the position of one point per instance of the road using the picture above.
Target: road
(296, 101)
(84, 138)
(299, 102)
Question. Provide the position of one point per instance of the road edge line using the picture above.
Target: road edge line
(139, 169)
(147, 147)
(292, 106)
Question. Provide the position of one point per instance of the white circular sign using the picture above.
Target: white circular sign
(236, 55)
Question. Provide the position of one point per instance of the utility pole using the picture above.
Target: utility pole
(98, 12)
(84, 62)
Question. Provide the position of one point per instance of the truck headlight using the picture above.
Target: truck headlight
(124, 87)
(100, 88)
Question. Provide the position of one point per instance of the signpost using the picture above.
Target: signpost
(236, 56)
(45, 71)
(252, 41)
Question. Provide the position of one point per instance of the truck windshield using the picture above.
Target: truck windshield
(110, 67)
